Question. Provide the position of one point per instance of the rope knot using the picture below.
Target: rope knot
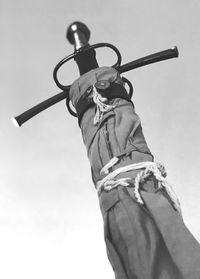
(101, 106)
(147, 169)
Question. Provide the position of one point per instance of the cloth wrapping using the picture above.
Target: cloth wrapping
(147, 241)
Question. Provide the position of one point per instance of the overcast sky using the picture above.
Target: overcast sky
(50, 221)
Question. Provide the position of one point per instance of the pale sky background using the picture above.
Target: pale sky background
(50, 221)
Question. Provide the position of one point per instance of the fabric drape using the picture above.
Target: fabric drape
(147, 241)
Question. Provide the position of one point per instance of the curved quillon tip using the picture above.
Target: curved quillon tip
(14, 122)
(175, 49)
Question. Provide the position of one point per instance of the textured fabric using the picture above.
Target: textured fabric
(143, 242)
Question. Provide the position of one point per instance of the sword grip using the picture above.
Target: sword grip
(78, 34)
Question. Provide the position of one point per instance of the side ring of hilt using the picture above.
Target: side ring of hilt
(78, 53)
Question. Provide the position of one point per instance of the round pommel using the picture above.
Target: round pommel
(78, 34)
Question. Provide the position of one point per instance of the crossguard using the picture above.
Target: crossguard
(73, 56)
(78, 34)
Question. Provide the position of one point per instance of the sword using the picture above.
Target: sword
(84, 55)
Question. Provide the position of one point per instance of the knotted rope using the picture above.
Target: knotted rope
(148, 169)
(101, 107)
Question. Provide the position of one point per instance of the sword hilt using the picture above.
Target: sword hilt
(84, 54)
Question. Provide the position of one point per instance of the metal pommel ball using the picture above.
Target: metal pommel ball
(78, 34)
